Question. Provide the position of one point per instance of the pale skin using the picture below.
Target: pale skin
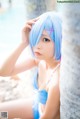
(45, 61)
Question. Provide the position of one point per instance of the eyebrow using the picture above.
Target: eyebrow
(46, 36)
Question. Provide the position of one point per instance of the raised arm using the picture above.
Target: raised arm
(9, 67)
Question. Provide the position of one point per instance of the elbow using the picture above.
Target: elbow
(1, 73)
(4, 74)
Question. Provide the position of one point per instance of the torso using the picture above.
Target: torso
(47, 87)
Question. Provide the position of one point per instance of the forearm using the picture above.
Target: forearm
(9, 64)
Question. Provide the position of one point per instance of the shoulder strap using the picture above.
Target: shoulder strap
(52, 74)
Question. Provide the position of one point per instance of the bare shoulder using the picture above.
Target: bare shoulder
(54, 83)
(53, 90)
(53, 96)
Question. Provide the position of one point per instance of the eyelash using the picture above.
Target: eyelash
(46, 40)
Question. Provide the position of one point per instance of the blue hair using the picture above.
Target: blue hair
(50, 22)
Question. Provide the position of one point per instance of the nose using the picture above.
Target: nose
(38, 45)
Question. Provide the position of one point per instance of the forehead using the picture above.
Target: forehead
(45, 33)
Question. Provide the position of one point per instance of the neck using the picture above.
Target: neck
(52, 63)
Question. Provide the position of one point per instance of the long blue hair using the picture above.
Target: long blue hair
(52, 23)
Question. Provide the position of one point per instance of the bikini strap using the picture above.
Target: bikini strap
(52, 74)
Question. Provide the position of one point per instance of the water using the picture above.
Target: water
(11, 23)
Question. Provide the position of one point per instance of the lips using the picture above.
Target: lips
(37, 53)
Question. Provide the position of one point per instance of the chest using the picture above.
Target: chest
(45, 82)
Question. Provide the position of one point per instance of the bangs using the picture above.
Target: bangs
(50, 22)
(36, 31)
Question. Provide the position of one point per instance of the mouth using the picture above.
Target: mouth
(37, 53)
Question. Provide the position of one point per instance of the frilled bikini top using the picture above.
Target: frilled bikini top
(41, 95)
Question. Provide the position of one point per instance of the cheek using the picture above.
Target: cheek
(50, 51)
(52, 48)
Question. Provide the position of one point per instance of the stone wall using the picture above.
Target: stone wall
(70, 64)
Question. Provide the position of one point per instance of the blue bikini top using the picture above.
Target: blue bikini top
(41, 95)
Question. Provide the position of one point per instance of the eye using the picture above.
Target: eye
(46, 40)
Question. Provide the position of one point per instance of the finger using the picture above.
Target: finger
(35, 19)
(27, 27)
(32, 21)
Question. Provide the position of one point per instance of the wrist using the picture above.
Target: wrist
(24, 44)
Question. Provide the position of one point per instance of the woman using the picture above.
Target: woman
(44, 35)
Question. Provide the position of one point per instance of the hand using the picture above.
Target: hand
(26, 30)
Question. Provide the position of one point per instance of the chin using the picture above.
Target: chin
(39, 58)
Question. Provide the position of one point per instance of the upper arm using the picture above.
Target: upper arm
(23, 66)
(53, 101)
